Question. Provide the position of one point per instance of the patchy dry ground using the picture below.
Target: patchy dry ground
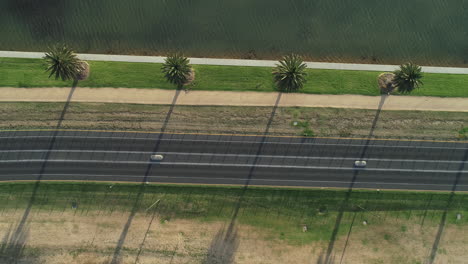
(57, 237)
(242, 120)
(95, 223)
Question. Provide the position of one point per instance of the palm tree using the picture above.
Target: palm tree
(62, 62)
(289, 74)
(177, 70)
(408, 77)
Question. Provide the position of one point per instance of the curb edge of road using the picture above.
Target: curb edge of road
(234, 185)
(232, 135)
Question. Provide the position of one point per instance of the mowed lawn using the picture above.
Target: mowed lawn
(15, 72)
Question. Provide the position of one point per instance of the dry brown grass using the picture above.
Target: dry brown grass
(240, 120)
(76, 238)
(69, 238)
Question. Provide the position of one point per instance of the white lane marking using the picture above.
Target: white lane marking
(214, 178)
(226, 155)
(246, 142)
(213, 164)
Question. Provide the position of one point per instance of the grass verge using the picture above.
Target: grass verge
(288, 121)
(84, 221)
(282, 211)
(15, 72)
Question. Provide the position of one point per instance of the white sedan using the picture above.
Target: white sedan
(360, 164)
(156, 157)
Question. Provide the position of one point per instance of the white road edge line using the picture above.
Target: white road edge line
(236, 179)
(242, 142)
(232, 165)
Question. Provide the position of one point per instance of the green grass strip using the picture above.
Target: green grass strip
(15, 72)
(282, 211)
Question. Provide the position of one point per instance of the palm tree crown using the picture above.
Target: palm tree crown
(177, 69)
(289, 74)
(408, 77)
(62, 62)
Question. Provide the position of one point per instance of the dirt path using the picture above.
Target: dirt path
(157, 96)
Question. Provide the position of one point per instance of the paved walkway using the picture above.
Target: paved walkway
(236, 62)
(157, 96)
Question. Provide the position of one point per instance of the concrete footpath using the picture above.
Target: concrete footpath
(238, 62)
(224, 98)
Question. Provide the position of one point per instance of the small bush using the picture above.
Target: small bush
(322, 209)
(308, 132)
(403, 228)
(344, 132)
(462, 133)
(22, 84)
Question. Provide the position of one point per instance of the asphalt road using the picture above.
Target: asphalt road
(239, 160)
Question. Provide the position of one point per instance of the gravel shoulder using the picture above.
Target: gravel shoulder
(324, 122)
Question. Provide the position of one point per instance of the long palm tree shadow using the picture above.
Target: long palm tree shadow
(321, 260)
(220, 248)
(12, 248)
(140, 249)
(21, 230)
(347, 237)
(435, 245)
(123, 234)
(344, 204)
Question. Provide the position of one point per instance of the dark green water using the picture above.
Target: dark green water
(426, 31)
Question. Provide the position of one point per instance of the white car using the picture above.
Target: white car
(360, 164)
(156, 157)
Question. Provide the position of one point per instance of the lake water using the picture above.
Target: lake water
(430, 32)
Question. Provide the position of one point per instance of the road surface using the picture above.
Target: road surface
(218, 159)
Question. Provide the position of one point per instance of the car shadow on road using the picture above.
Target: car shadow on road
(19, 235)
(225, 242)
(344, 204)
(116, 257)
(443, 220)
